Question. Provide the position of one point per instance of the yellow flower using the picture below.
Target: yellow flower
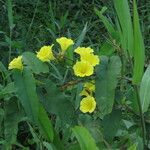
(91, 58)
(88, 104)
(64, 43)
(89, 86)
(83, 50)
(84, 93)
(16, 63)
(83, 69)
(45, 54)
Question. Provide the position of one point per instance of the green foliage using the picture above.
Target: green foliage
(107, 74)
(139, 49)
(26, 91)
(32, 62)
(40, 104)
(84, 138)
(144, 90)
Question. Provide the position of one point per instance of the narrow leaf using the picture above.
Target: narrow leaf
(123, 13)
(144, 90)
(84, 138)
(139, 50)
(45, 124)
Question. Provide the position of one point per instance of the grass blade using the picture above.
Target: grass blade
(123, 13)
(139, 50)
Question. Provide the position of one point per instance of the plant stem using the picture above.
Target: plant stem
(141, 115)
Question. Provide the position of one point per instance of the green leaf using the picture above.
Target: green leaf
(106, 49)
(26, 90)
(123, 13)
(84, 138)
(12, 117)
(34, 63)
(56, 102)
(139, 50)
(81, 37)
(48, 146)
(111, 123)
(45, 124)
(108, 25)
(133, 147)
(106, 81)
(9, 89)
(144, 90)
(10, 13)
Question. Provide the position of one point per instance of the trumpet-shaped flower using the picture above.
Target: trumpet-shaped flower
(91, 58)
(83, 50)
(88, 104)
(16, 63)
(64, 43)
(83, 68)
(45, 54)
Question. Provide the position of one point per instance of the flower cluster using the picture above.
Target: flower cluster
(45, 54)
(85, 67)
(88, 103)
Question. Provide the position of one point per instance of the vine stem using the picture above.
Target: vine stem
(141, 115)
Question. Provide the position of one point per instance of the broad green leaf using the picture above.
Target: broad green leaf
(12, 117)
(106, 81)
(139, 50)
(123, 13)
(45, 124)
(84, 138)
(56, 103)
(26, 90)
(34, 63)
(111, 123)
(144, 90)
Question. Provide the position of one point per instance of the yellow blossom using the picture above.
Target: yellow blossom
(89, 86)
(84, 93)
(83, 50)
(88, 104)
(91, 58)
(45, 54)
(64, 43)
(82, 69)
(16, 63)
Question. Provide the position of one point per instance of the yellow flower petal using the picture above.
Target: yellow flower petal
(16, 63)
(83, 69)
(91, 58)
(89, 86)
(64, 43)
(45, 54)
(83, 50)
(84, 93)
(88, 104)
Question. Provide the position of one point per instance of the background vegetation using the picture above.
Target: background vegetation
(29, 24)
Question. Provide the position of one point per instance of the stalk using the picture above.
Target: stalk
(141, 116)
